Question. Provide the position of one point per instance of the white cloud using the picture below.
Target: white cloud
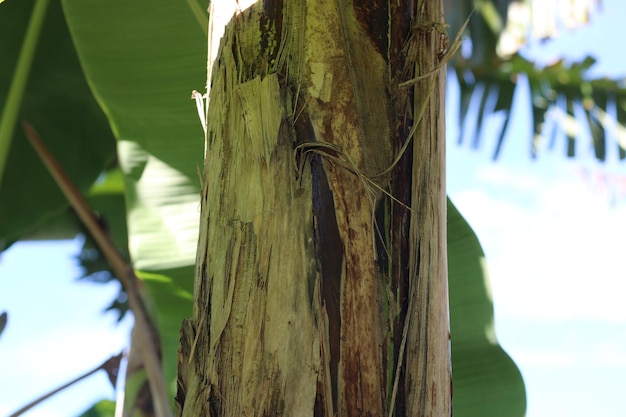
(553, 248)
(544, 358)
(560, 351)
(609, 354)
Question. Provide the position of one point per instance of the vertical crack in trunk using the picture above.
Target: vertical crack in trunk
(345, 79)
(330, 258)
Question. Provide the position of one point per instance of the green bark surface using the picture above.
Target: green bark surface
(294, 310)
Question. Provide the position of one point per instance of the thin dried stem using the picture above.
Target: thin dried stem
(122, 270)
(113, 361)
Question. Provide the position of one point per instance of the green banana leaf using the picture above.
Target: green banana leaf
(103, 408)
(58, 102)
(486, 381)
(141, 61)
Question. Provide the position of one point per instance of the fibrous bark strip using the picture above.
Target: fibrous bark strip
(306, 302)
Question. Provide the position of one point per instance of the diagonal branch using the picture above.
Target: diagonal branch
(110, 364)
(125, 272)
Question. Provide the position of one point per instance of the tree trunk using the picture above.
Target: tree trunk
(321, 280)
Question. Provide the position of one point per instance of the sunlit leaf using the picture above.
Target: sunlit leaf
(598, 135)
(466, 89)
(143, 73)
(489, 88)
(571, 138)
(600, 102)
(59, 104)
(539, 109)
(172, 298)
(104, 408)
(506, 92)
(621, 120)
(578, 69)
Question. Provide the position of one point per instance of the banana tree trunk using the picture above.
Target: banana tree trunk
(321, 280)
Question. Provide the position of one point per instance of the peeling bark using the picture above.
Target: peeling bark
(318, 292)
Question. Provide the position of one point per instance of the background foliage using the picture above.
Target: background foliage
(108, 90)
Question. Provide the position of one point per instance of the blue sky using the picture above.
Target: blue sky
(552, 230)
(553, 247)
(56, 330)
